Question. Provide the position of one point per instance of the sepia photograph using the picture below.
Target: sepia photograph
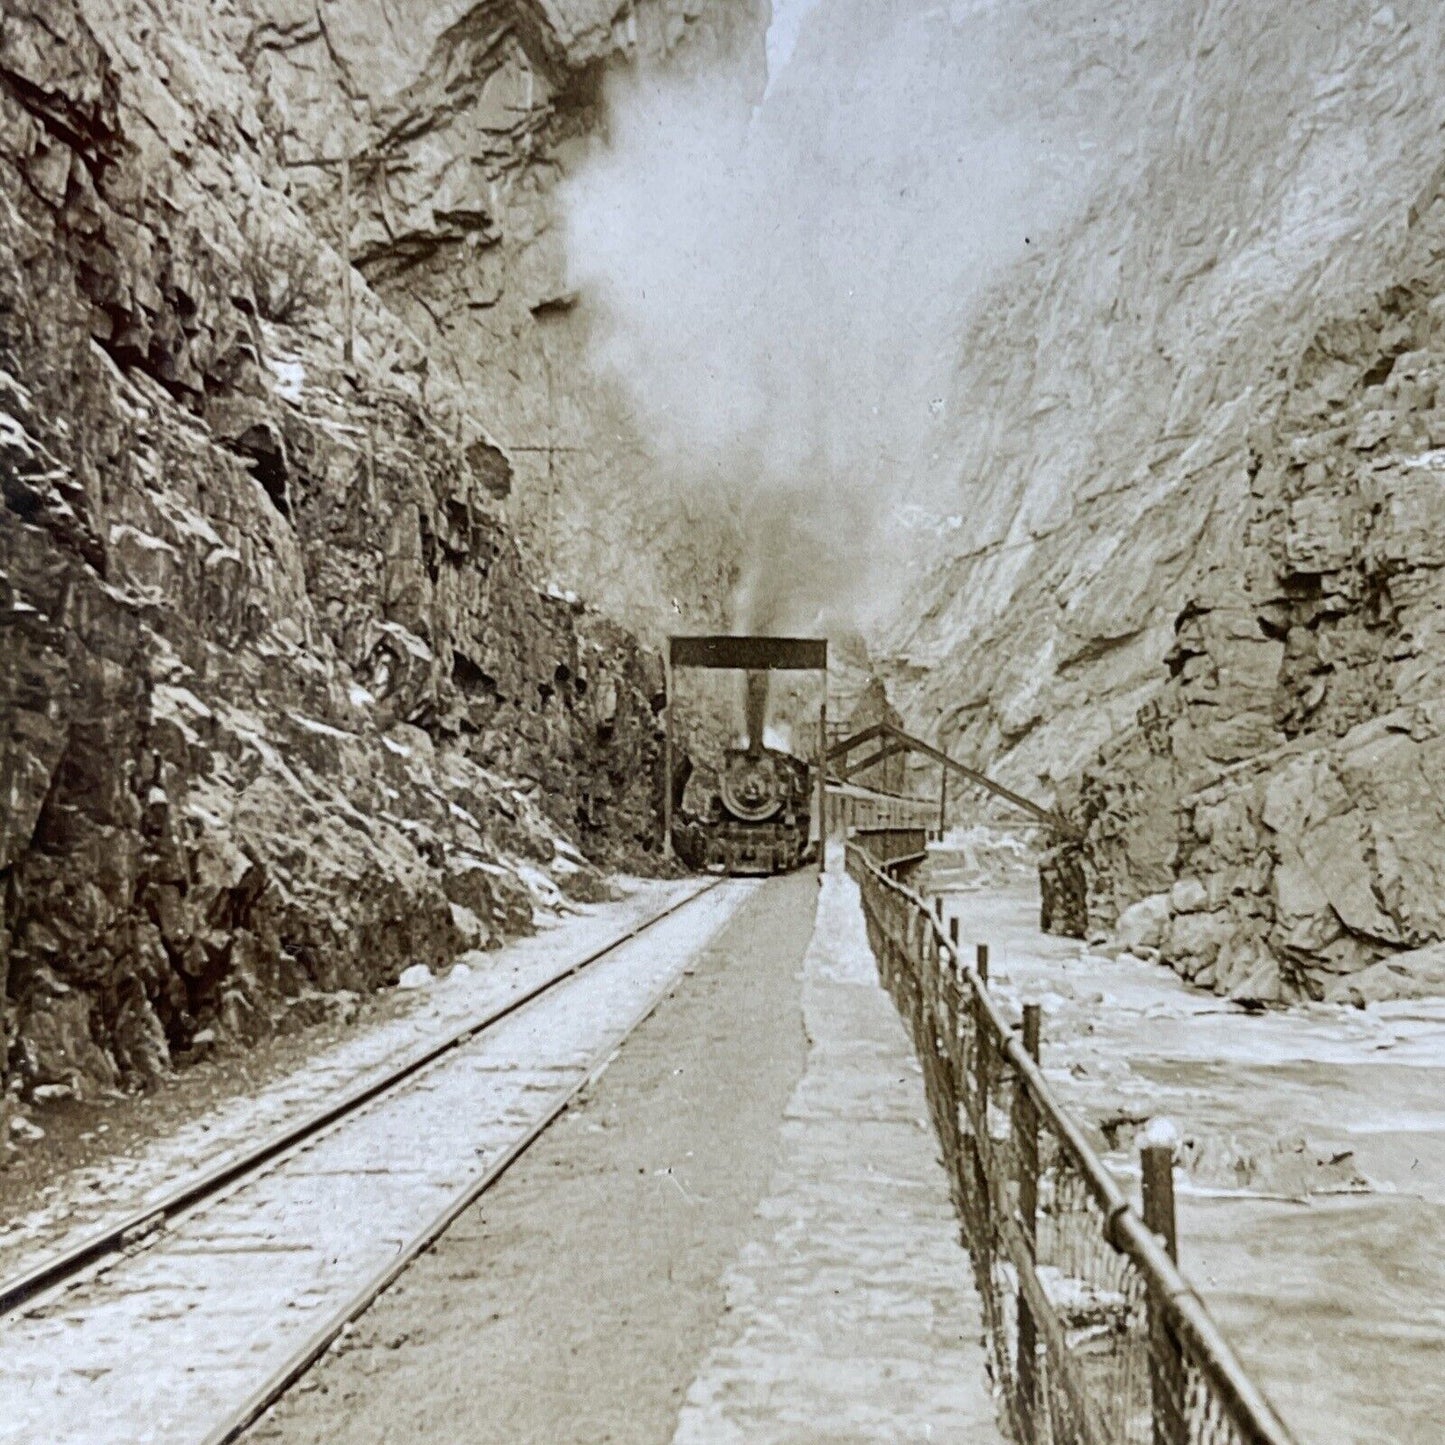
(722, 722)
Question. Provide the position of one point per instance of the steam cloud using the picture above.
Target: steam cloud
(781, 289)
(756, 708)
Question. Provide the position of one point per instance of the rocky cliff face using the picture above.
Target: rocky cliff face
(1287, 788)
(462, 118)
(1195, 455)
(282, 708)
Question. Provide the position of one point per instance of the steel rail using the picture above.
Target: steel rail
(321, 1340)
(115, 1238)
(1123, 1228)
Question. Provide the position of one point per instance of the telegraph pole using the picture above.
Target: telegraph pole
(343, 164)
(348, 345)
(551, 449)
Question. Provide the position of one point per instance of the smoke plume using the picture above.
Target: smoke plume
(781, 287)
(756, 709)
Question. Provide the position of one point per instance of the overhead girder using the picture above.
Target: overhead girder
(846, 745)
(901, 741)
(849, 770)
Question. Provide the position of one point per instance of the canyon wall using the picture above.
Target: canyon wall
(1307, 863)
(1189, 589)
(296, 681)
(283, 706)
(462, 119)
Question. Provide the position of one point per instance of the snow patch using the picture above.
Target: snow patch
(1433, 461)
(1160, 1133)
(409, 640)
(539, 885)
(122, 531)
(457, 811)
(290, 378)
(324, 729)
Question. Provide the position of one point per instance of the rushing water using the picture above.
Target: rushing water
(1312, 1194)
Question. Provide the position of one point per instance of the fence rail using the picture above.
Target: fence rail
(1095, 1337)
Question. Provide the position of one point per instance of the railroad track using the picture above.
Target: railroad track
(186, 1322)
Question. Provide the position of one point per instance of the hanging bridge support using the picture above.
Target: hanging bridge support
(897, 739)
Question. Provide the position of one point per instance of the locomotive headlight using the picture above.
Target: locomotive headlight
(750, 788)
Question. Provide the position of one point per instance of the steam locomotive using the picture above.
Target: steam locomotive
(750, 816)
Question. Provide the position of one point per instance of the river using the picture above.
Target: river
(1311, 1192)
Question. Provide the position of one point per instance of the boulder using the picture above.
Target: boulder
(1193, 940)
(470, 930)
(1414, 973)
(1142, 925)
(54, 1043)
(1188, 895)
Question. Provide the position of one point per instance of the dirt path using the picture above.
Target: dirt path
(851, 1315)
(576, 1302)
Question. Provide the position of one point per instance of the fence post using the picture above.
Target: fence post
(983, 1061)
(980, 1127)
(954, 998)
(890, 932)
(1157, 1186)
(1026, 1139)
(939, 1070)
(927, 987)
(980, 1034)
(1166, 1361)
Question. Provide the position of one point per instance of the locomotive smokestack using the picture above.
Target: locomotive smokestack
(757, 709)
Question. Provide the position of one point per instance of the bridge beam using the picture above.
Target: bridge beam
(848, 770)
(899, 741)
(1055, 820)
(846, 745)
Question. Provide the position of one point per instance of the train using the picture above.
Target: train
(754, 810)
(754, 815)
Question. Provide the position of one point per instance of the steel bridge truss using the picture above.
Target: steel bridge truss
(893, 741)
